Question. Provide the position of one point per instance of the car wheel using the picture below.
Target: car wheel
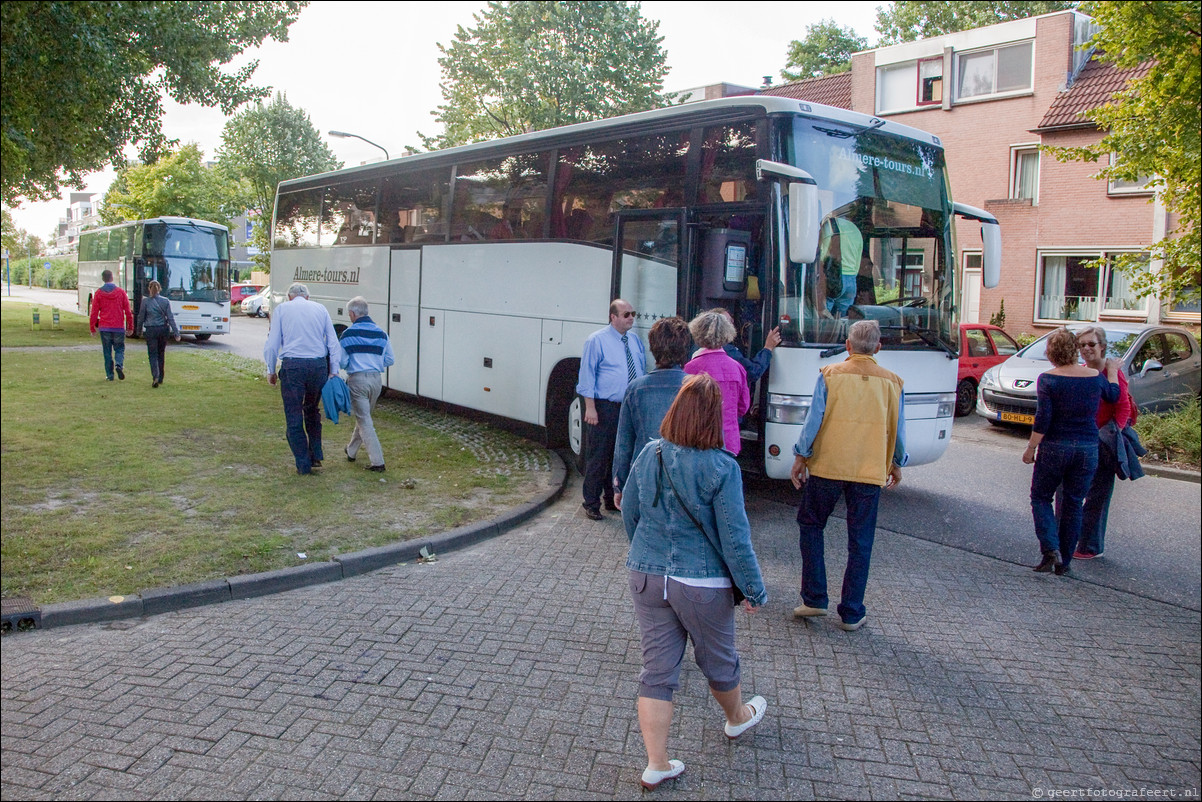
(260, 313)
(966, 397)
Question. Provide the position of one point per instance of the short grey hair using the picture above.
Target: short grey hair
(1096, 331)
(357, 306)
(712, 329)
(298, 290)
(864, 336)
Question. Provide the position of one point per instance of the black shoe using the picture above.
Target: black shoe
(316, 463)
(109, 379)
(1051, 560)
(349, 458)
(593, 514)
(120, 373)
(376, 468)
(1061, 570)
(154, 384)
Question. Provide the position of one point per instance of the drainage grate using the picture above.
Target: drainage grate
(19, 615)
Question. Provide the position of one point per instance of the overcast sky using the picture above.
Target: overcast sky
(371, 68)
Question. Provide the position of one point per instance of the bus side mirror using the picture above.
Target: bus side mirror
(803, 222)
(803, 207)
(991, 241)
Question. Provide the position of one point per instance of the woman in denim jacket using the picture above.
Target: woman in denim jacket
(689, 542)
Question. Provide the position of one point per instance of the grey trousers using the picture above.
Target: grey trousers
(365, 391)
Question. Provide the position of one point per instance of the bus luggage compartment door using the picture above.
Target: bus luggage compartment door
(492, 363)
(403, 327)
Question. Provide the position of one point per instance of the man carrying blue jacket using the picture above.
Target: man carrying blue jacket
(366, 352)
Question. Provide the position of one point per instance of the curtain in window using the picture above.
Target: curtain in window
(1026, 174)
(1051, 298)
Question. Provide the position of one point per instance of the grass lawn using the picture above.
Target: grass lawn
(109, 488)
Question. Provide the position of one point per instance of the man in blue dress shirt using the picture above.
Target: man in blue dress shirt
(612, 358)
(302, 337)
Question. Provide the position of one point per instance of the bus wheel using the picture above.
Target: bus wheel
(203, 337)
(576, 432)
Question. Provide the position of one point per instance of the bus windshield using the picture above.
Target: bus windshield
(885, 248)
(195, 261)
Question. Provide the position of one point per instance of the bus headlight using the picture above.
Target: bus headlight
(788, 408)
(947, 405)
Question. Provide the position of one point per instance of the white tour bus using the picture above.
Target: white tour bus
(489, 264)
(189, 258)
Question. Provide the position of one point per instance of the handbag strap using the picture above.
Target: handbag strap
(659, 454)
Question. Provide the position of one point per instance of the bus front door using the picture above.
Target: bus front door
(648, 247)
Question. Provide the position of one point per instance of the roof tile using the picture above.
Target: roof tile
(830, 90)
(1094, 87)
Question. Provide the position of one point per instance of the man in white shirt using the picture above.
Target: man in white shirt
(302, 338)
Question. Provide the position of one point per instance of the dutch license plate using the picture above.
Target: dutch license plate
(1015, 417)
(197, 328)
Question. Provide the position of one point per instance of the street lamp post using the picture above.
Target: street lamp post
(345, 135)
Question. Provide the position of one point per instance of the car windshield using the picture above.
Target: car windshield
(1118, 343)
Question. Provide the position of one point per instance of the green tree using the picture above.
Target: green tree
(179, 184)
(908, 20)
(84, 79)
(264, 145)
(527, 66)
(1154, 128)
(825, 50)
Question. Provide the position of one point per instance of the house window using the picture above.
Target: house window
(930, 81)
(906, 86)
(1002, 70)
(1024, 169)
(895, 87)
(1137, 187)
(1072, 288)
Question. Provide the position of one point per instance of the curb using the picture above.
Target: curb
(162, 600)
(1166, 472)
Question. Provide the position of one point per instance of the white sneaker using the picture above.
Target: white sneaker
(652, 778)
(846, 627)
(758, 705)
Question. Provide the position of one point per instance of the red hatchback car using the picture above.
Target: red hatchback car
(981, 347)
(242, 291)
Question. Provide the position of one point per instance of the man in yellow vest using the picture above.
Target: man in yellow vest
(852, 444)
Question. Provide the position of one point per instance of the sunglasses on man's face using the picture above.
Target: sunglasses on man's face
(1088, 345)
(628, 314)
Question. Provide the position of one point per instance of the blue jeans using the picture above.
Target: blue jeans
(113, 345)
(818, 500)
(840, 304)
(1069, 467)
(301, 381)
(1097, 503)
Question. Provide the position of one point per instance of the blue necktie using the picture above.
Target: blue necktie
(630, 374)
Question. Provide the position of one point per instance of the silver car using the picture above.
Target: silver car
(1162, 363)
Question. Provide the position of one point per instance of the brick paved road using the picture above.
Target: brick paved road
(508, 671)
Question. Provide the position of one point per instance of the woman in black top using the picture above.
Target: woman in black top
(156, 321)
(1066, 437)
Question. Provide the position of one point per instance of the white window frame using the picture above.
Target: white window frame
(1100, 312)
(1016, 151)
(958, 66)
(1140, 188)
(909, 70)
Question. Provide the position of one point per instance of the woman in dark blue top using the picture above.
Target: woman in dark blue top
(1066, 437)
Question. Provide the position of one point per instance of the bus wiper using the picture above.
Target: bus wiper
(833, 351)
(927, 338)
(862, 129)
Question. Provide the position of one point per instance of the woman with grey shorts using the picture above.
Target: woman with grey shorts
(690, 551)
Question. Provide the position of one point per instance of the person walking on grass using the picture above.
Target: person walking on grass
(302, 338)
(366, 354)
(156, 321)
(112, 316)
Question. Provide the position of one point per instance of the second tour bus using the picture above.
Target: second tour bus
(189, 258)
(489, 264)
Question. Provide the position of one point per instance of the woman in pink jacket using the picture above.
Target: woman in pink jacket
(712, 330)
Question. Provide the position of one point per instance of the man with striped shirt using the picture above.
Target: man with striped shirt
(366, 352)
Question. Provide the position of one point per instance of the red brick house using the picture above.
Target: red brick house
(993, 95)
